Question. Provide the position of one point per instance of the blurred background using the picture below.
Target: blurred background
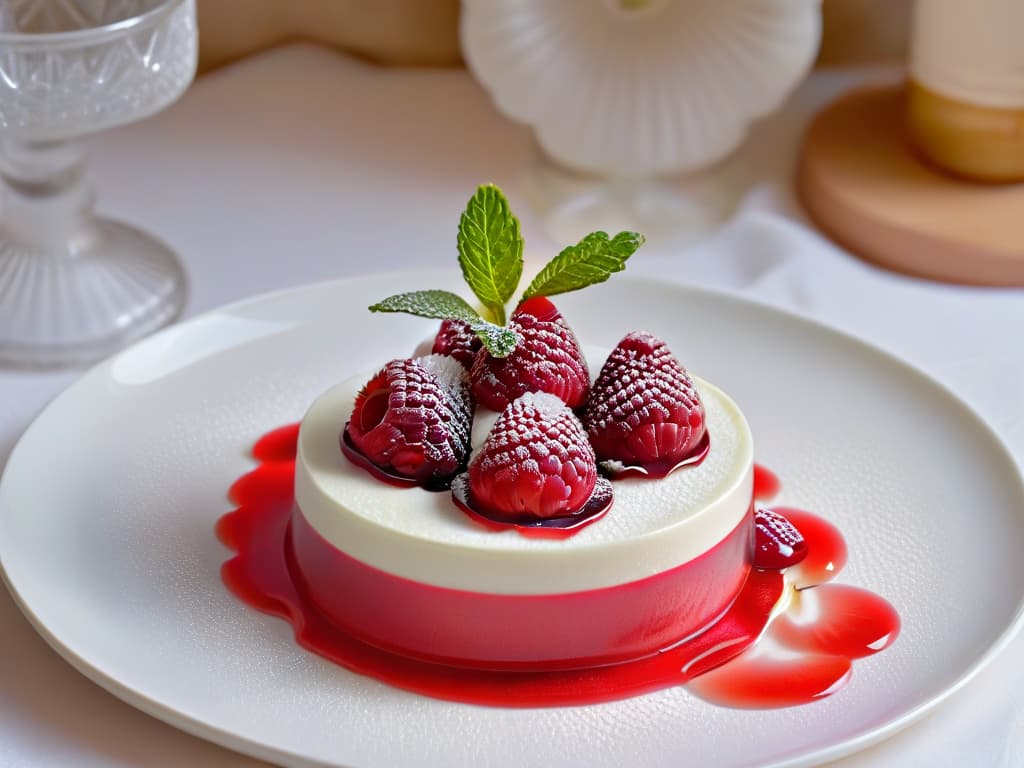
(425, 32)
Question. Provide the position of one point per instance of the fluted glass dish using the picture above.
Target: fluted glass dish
(75, 287)
(630, 100)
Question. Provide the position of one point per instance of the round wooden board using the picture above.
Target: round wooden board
(863, 184)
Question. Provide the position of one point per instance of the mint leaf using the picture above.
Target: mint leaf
(490, 250)
(440, 305)
(499, 340)
(592, 260)
(445, 305)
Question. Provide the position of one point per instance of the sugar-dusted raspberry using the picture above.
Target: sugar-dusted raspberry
(643, 410)
(536, 463)
(413, 419)
(547, 358)
(456, 339)
(777, 542)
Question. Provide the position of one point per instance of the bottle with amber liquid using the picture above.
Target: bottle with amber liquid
(965, 102)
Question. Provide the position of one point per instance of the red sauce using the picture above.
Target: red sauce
(827, 625)
(658, 469)
(595, 508)
(826, 548)
(723, 664)
(766, 484)
(357, 457)
(753, 682)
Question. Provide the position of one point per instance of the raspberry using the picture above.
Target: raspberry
(777, 542)
(413, 418)
(535, 464)
(643, 411)
(456, 339)
(547, 358)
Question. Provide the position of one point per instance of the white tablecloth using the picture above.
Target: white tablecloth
(302, 165)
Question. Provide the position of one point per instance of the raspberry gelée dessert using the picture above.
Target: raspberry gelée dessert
(494, 523)
(422, 579)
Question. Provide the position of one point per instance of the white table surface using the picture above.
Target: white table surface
(301, 165)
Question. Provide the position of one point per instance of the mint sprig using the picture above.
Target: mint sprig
(490, 250)
(593, 260)
(491, 256)
(445, 305)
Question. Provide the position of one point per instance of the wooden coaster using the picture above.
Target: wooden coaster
(863, 184)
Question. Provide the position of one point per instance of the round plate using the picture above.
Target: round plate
(108, 504)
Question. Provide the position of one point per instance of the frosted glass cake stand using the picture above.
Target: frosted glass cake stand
(628, 99)
(75, 287)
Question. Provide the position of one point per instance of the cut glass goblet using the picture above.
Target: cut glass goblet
(75, 287)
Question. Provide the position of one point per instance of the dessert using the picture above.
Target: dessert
(471, 589)
(497, 522)
(665, 561)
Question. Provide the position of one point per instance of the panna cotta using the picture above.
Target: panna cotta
(493, 521)
(406, 570)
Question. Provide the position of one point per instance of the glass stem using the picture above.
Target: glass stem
(46, 204)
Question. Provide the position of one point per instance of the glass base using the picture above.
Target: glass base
(73, 303)
(669, 212)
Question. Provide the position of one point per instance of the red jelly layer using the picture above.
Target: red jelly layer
(722, 664)
(492, 631)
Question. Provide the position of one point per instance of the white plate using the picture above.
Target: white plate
(108, 504)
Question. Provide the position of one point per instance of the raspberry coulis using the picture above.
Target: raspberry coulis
(559, 527)
(656, 470)
(821, 630)
(357, 457)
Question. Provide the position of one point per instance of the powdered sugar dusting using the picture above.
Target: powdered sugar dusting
(548, 406)
(449, 372)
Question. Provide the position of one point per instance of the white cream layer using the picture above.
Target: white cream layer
(652, 526)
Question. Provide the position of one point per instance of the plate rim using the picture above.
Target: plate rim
(225, 738)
